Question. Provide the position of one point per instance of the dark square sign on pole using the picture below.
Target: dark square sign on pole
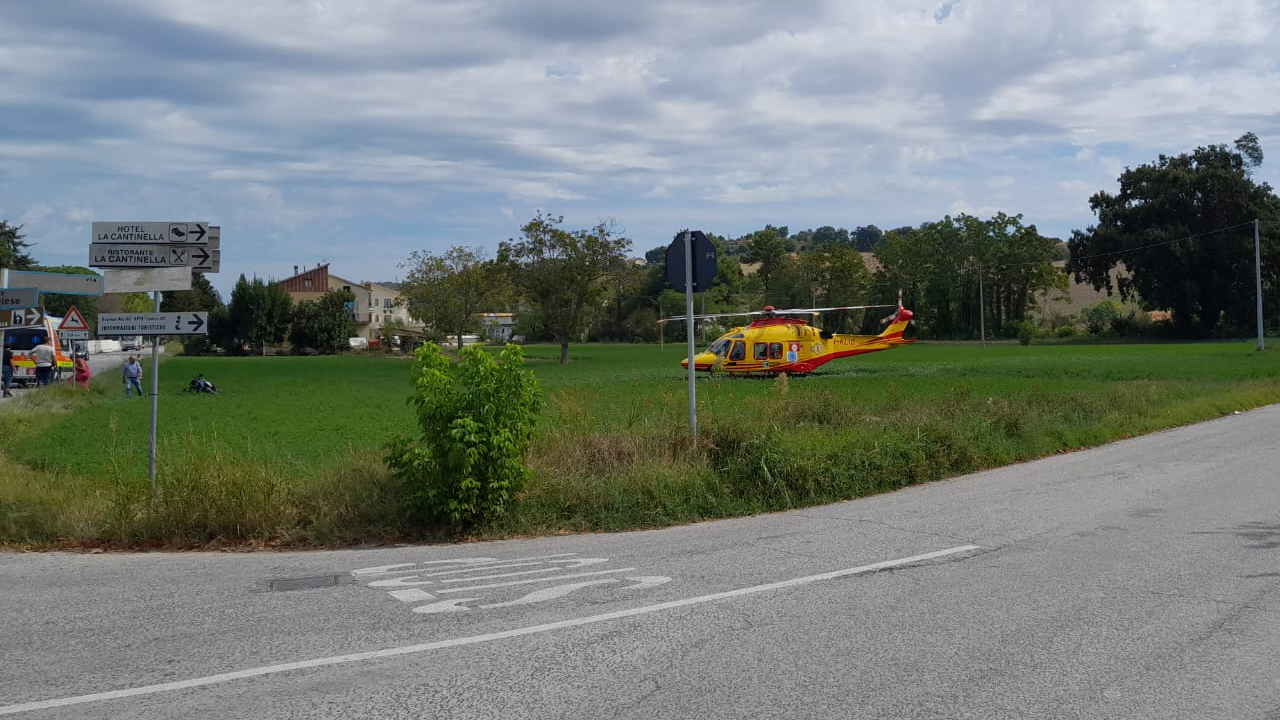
(691, 266)
(704, 261)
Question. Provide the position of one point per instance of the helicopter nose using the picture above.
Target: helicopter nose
(701, 361)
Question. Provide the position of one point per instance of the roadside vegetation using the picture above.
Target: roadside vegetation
(291, 452)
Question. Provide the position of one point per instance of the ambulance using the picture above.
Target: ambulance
(23, 340)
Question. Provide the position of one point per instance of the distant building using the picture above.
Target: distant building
(374, 304)
(498, 327)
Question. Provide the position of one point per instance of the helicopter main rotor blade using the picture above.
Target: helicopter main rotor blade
(789, 311)
(814, 311)
(712, 315)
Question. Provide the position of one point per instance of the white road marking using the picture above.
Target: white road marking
(486, 561)
(454, 605)
(402, 581)
(530, 581)
(568, 565)
(411, 595)
(551, 593)
(471, 639)
(644, 582)
(409, 567)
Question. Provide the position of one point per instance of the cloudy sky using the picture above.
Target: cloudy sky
(354, 132)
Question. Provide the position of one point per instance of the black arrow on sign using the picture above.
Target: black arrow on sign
(202, 256)
(196, 322)
(203, 232)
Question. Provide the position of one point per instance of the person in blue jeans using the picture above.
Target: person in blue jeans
(132, 376)
(8, 367)
(46, 361)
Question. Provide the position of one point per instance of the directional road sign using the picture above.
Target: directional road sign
(56, 283)
(165, 323)
(135, 233)
(15, 298)
(215, 261)
(204, 259)
(29, 317)
(155, 255)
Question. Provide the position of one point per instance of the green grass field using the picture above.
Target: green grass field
(290, 451)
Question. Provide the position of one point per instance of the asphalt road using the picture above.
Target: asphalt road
(1137, 580)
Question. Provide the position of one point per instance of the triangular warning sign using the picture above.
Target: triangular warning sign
(73, 321)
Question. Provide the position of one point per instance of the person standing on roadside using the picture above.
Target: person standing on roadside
(8, 367)
(132, 376)
(45, 357)
(82, 372)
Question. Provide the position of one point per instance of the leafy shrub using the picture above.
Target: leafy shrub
(1136, 323)
(1066, 331)
(1026, 332)
(1101, 316)
(477, 419)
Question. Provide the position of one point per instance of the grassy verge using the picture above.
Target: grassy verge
(289, 452)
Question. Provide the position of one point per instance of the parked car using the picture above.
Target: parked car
(130, 343)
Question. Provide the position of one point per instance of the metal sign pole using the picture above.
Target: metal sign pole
(1257, 273)
(688, 303)
(155, 399)
(4, 283)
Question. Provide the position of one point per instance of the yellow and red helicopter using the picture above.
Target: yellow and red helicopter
(774, 343)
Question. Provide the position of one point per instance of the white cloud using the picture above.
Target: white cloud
(405, 122)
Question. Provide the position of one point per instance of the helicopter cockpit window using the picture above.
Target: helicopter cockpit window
(719, 347)
(739, 351)
(760, 351)
(775, 351)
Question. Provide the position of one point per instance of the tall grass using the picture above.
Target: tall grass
(290, 452)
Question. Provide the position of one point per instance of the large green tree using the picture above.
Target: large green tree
(13, 248)
(202, 297)
(955, 269)
(562, 274)
(768, 248)
(1181, 228)
(325, 325)
(829, 275)
(258, 315)
(450, 291)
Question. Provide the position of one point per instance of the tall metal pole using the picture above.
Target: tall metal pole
(688, 304)
(662, 342)
(155, 399)
(982, 311)
(4, 283)
(1257, 277)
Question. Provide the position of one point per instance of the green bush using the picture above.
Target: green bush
(1100, 317)
(477, 419)
(1026, 332)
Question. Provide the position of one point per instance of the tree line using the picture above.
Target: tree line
(1177, 236)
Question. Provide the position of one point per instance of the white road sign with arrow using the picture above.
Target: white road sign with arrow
(155, 255)
(170, 323)
(27, 317)
(135, 233)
